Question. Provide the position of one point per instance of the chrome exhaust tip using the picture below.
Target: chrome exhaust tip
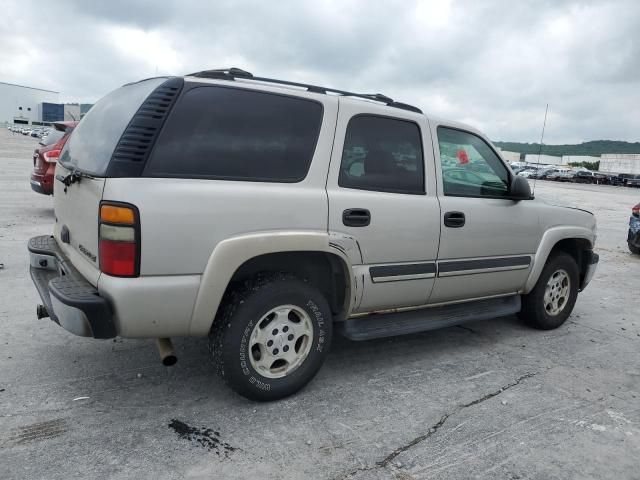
(165, 349)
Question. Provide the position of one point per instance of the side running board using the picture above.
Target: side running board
(379, 325)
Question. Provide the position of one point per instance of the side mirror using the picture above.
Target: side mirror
(520, 189)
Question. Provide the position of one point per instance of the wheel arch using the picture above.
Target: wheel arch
(574, 241)
(308, 255)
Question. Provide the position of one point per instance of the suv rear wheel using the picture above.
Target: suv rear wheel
(271, 336)
(551, 301)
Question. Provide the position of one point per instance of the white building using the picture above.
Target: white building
(544, 159)
(620, 163)
(510, 157)
(19, 103)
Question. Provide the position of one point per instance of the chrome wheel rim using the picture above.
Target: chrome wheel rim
(556, 294)
(281, 341)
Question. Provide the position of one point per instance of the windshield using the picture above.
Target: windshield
(90, 147)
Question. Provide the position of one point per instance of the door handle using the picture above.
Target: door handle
(454, 219)
(356, 217)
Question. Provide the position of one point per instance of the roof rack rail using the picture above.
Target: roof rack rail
(233, 73)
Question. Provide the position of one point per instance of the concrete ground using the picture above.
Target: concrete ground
(485, 400)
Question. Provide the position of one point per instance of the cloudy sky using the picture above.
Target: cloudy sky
(490, 63)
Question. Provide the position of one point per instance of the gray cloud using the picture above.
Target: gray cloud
(494, 63)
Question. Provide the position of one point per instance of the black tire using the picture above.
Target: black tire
(533, 310)
(634, 250)
(243, 308)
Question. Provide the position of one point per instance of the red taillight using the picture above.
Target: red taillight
(119, 233)
(118, 258)
(51, 156)
(636, 210)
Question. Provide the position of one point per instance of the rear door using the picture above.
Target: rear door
(76, 228)
(88, 153)
(379, 195)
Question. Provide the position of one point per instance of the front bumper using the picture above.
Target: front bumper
(590, 266)
(71, 301)
(633, 237)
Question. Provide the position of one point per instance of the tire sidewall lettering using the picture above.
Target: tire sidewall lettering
(317, 313)
(244, 351)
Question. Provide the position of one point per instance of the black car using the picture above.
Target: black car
(633, 238)
(583, 177)
(600, 178)
(615, 179)
(567, 176)
(623, 178)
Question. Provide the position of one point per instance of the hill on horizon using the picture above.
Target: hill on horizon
(594, 148)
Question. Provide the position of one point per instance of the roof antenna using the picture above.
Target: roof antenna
(544, 124)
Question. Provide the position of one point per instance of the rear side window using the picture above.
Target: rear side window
(236, 134)
(90, 147)
(382, 154)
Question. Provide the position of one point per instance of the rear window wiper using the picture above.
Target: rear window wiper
(73, 177)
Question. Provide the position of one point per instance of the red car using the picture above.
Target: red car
(46, 156)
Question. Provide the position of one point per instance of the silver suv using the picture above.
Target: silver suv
(268, 214)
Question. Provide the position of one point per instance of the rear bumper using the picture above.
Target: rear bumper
(71, 301)
(591, 264)
(36, 186)
(42, 183)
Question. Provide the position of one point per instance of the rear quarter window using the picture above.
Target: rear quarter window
(90, 147)
(236, 134)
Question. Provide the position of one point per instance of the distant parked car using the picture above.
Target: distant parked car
(583, 176)
(526, 168)
(526, 173)
(46, 155)
(617, 179)
(613, 179)
(634, 182)
(633, 238)
(625, 177)
(568, 176)
(600, 178)
(542, 173)
(555, 175)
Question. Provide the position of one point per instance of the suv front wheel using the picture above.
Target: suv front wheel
(551, 301)
(271, 336)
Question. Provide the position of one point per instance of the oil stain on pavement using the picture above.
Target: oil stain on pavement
(202, 436)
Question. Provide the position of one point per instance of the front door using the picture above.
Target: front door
(379, 195)
(487, 241)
